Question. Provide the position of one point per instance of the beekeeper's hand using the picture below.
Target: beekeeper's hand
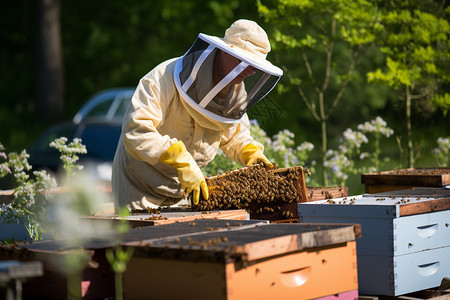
(189, 173)
(252, 153)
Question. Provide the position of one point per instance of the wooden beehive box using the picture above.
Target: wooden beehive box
(206, 259)
(260, 261)
(97, 278)
(405, 242)
(266, 194)
(405, 179)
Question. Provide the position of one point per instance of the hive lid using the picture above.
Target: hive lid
(140, 234)
(384, 205)
(219, 240)
(427, 177)
(247, 244)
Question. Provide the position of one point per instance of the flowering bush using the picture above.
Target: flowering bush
(69, 153)
(280, 149)
(349, 159)
(30, 196)
(378, 129)
(442, 152)
(359, 152)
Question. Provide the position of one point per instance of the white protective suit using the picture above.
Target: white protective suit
(162, 113)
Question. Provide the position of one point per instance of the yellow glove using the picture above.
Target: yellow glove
(189, 174)
(252, 153)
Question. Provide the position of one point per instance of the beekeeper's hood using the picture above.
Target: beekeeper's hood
(221, 78)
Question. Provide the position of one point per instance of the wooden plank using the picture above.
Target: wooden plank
(323, 193)
(298, 241)
(410, 180)
(436, 192)
(169, 216)
(424, 207)
(381, 188)
(256, 242)
(410, 177)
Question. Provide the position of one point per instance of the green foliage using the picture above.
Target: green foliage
(115, 44)
(442, 101)
(119, 257)
(330, 37)
(356, 22)
(416, 46)
(118, 42)
(415, 42)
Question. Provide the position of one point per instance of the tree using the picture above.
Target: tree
(50, 79)
(416, 46)
(341, 31)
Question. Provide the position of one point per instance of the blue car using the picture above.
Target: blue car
(98, 124)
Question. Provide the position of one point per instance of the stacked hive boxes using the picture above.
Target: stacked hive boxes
(405, 242)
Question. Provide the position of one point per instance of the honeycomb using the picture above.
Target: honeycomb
(268, 194)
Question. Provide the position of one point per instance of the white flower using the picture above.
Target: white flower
(354, 138)
(378, 125)
(305, 146)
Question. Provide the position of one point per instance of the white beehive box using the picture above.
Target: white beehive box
(405, 243)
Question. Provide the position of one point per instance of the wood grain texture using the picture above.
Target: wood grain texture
(431, 177)
(424, 207)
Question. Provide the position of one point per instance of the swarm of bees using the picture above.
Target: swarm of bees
(261, 191)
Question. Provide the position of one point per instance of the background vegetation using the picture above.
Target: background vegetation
(114, 43)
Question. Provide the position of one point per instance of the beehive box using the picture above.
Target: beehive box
(405, 242)
(263, 261)
(97, 278)
(266, 194)
(206, 259)
(405, 179)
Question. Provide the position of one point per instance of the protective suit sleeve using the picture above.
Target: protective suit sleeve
(236, 138)
(144, 116)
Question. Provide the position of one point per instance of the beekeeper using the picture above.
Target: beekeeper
(184, 110)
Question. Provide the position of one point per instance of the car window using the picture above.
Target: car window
(101, 109)
(122, 108)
